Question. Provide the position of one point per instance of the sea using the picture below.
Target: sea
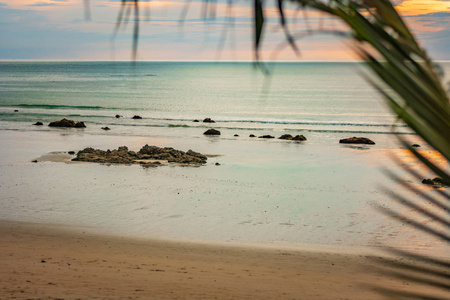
(316, 193)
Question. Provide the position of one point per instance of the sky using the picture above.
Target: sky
(61, 30)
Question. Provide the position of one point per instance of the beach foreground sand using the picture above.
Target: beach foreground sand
(45, 262)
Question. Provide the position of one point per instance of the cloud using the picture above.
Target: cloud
(41, 4)
(52, 3)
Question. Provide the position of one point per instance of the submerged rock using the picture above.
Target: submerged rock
(67, 123)
(299, 137)
(285, 137)
(357, 140)
(118, 116)
(211, 132)
(196, 121)
(147, 153)
(436, 182)
(208, 120)
(266, 136)
(38, 124)
(106, 128)
(292, 138)
(137, 117)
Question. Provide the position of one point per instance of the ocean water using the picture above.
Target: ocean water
(270, 192)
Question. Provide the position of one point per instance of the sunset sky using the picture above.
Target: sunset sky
(58, 30)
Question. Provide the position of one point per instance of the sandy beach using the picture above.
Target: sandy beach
(44, 262)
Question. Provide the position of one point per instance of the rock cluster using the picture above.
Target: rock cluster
(292, 138)
(124, 156)
(67, 123)
(357, 140)
(437, 182)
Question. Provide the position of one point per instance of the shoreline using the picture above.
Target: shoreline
(41, 261)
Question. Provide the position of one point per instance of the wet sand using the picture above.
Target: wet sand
(45, 262)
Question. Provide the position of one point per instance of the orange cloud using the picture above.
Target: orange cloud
(421, 7)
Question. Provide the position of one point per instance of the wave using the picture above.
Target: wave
(60, 106)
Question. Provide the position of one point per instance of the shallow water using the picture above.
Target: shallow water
(265, 191)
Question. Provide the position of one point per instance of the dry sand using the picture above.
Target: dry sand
(45, 262)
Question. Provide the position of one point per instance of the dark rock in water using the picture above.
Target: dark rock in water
(208, 120)
(415, 145)
(106, 128)
(211, 132)
(266, 136)
(285, 137)
(34, 161)
(118, 116)
(196, 121)
(62, 123)
(357, 140)
(299, 137)
(66, 123)
(38, 124)
(217, 164)
(437, 182)
(137, 117)
(252, 135)
(123, 156)
(16, 110)
(71, 152)
(236, 135)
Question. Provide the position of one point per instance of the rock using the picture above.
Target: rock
(236, 135)
(208, 120)
(38, 124)
(436, 182)
(62, 123)
(124, 156)
(196, 121)
(299, 137)
(357, 140)
(118, 116)
(106, 128)
(211, 132)
(16, 110)
(34, 161)
(67, 123)
(252, 135)
(136, 117)
(71, 152)
(415, 145)
(266, 136)
(285, 137)
(217, 164)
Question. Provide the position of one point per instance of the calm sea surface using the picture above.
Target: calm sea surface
(264, 191)
(312, 96)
